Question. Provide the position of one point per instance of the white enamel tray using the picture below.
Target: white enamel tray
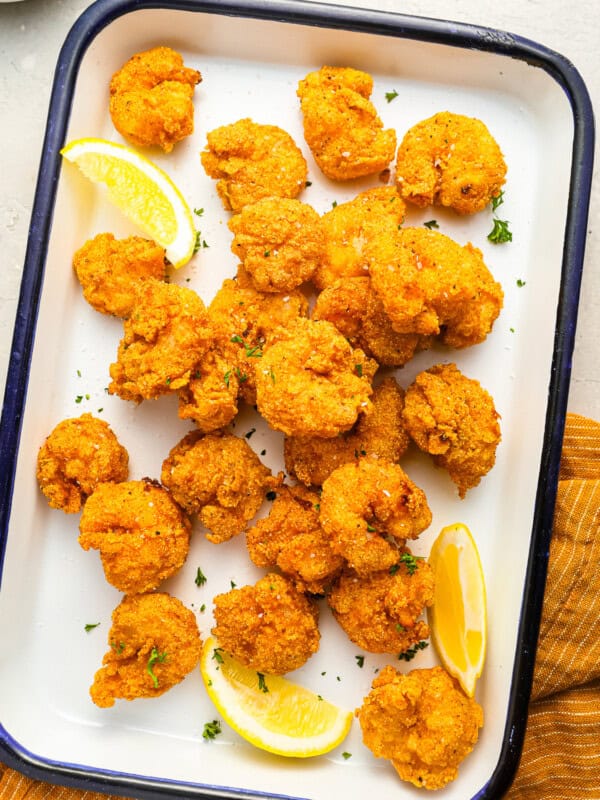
(251, 59)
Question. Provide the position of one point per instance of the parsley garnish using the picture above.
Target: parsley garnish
(358, 370)
(198, 212)
(90, 626)
(155, 657)
(267, 253)
(226, 378)
(500, 232)
(371, 529)
(240, 375)
(389, 96)
(217, 655)
(200, 578)
(410, 562)
(497, 201)
(233, 584)
(211, 729)
(249, 434)
(360, 660)
(432, 223)
(411, 652)
(118, 648)
(251, 352)
(334, 204)
(261, 682)
(346, 755)
(198, 242)
(79, 398)
(520, 283)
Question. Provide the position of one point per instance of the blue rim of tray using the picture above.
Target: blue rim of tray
(460, 35)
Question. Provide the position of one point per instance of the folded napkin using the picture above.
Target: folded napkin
(561, 753)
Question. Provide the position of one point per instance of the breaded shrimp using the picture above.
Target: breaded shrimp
(108, 270)
(211, 397)
(350, 226)
(291, 538)
(270, 627)
(453, 418)
(77, 455)
(142, 534)
(341, 125)
(423, 722)
(243, 318)
(311, 382)
(219, 478)
(151, 98)
(431, 286)
(450, 160)
(154, 643)
(280, 242)
(251, 161)
(165, 337)
(369, 507)
(380, 612)
(379, 434)
(358, 314)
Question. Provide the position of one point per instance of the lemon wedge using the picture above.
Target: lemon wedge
(271, 712)
(457, 618)
(143, 191)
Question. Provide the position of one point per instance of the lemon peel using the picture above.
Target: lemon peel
(269, 711)
(141, 190)
(458, 616)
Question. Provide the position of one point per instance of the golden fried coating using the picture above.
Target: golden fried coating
(210, 398)
(350, 226)
(380, 612)
(358, 314)
(77, 455)
(219, 478)
(430, 285)
(369, 507)
(311, 382)
(423, 722)
(142, 534)
(379, 434)
(453, 418)
(154, 643)
(291, 538)
(108, 269)
(450, 160)
(251, 161)
(243, 318)
(270, 627)
(341, 125)
(280, 242)
(165, 337)
(151, 98)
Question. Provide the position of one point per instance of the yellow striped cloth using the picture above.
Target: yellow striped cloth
(561, 753)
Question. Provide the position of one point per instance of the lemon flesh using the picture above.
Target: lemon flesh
(457, 618)
(269, 711)
(141, 190)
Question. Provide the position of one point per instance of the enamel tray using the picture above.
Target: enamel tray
(251, 54)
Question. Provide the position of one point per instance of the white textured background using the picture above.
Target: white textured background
(32, 32)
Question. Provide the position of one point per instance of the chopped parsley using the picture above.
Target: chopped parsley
(520, 283)
(432, 223)
(497, 201)
(200, 578)
(233, 584)
(389, 96)
(203, 608)
(500, 232)
(334, 204)
(198, 212)
(251, 351)
(198, 242)
(79, 398)
(90, 626)
(155, 658)
(249, 434)
(360, 660)
(358, 369)
(411, 652)
(261, 682)
(118, 648)
(371, 529)
(267, 253)
(240, 375)
(217, 655)
(226, 378)
(211, 729)
(346, 755)
(410, 562)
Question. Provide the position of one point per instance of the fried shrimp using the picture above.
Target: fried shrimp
(379, 434)
(358, 314)
(341, 125)
(291, 538)
(380, 612)
(280, 242)
(431, 286)
(270, 627)
(77, 455)
(423, 722)
(369, 508)
(219, 478)
(142, 534)
(251, 161)
(154, 642)
(108, 270)
(151, 98)
(311, 382)
(350, 226)
(211, 397)
(164, 339)
(243, 318)
(453, 418)
(450, 160)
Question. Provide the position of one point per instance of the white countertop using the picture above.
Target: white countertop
(32, 32)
